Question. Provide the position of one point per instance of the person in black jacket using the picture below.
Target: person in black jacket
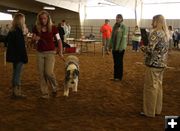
(62, 33)
(16, 52)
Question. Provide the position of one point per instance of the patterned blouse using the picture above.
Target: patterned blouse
(157, 51)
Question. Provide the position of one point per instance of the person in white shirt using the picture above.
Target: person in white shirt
(69, 29)
(136, 39)
(65, 27)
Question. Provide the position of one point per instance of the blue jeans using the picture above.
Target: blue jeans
(16, 78)
(135, 45)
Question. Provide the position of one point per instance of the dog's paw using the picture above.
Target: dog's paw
(74, 90)
(66, 95)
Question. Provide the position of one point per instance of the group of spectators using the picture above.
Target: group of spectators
(174, 38)
(155, 52)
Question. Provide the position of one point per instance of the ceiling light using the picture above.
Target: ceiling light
(48, 8)
(105, 4)
(12, 11)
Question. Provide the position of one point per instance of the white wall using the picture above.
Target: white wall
(100, 22)
(131, 22)
(4, 22)
(174, 23)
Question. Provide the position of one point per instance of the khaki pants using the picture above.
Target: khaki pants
(153, 92)
(46, 62)
(106, 43)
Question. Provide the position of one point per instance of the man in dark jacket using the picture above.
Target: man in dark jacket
(62, 33)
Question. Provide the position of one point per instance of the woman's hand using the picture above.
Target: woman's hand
(59, 52)
(35, 38)
(142, 48)
(61, 55)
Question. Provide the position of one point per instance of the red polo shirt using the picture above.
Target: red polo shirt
(106, 31)
(46, 42)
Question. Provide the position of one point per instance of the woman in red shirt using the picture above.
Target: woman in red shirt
(44, 33)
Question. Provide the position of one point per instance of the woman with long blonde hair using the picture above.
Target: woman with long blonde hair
(16, 52)
(43, 34)
(39, 24)
(156, 61)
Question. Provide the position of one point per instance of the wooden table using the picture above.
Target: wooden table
(70, 39)
(86, 42)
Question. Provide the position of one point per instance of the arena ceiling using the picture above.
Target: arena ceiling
(73, 5)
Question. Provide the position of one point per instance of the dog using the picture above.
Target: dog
(71, 74)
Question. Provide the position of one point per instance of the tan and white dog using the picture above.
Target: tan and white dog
(71, 74)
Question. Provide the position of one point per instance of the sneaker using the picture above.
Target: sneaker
(157, 114)
(17, 94)
(115, 79)
(45, 96)
(142, 114)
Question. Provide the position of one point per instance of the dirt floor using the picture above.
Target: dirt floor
(99, 104)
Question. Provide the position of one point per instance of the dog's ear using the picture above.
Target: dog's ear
(75, 72)
(67, 75)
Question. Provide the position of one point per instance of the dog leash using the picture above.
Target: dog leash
(61, 57)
